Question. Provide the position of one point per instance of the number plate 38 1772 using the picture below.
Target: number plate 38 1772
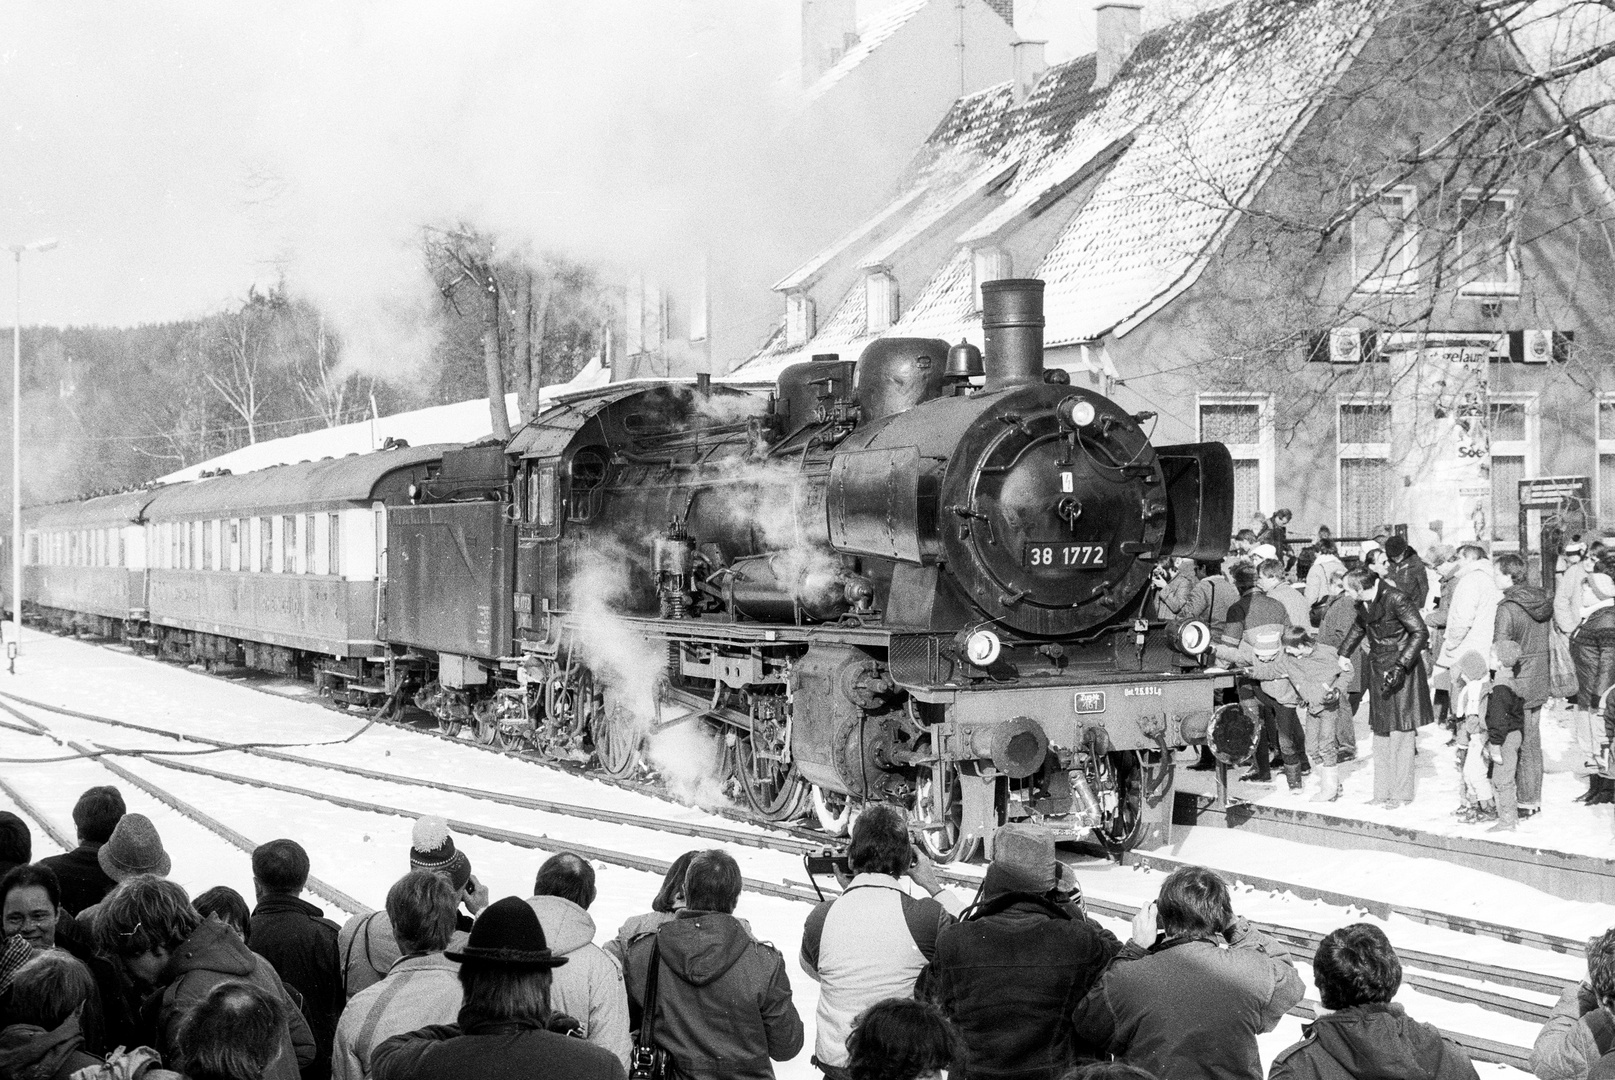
(1064, 556)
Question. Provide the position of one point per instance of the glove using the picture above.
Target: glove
(1394, 679)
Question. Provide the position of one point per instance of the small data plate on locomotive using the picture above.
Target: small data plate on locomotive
(1090, 701)
(1064, 556)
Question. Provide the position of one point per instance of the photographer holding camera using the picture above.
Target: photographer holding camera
(871, 942)
(1188, 995)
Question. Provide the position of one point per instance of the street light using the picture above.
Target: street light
(15, 645)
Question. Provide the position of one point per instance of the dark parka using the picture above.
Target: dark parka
(1396, 637)
(723, 999)
(1372, 1042)
(300, 942)
(1010, 973)
(32, 1053)
(492, 1051)
(1524, 616)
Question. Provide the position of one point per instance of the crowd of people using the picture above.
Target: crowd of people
(109, 970)
(1463, 640)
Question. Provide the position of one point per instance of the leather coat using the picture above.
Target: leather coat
(1396, 638)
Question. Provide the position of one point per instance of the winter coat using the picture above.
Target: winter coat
(1592, 647)
(866, 945)
(1190, 1009)
(1396, 636)
(723, 1001)
(297, 938)
(1312, 676)
(1567, 596)
(1523, 617)
(1295, 605)
(1472, 614)
(1323, 568)
(588, 987)
(1409, 574)
(1372, 1042)
(1210, 601)
(366, 950)
(1009, 974)
(638, 926)
(1505, 713)
(1577, 1033)
(419, 991)
(1332, 630)
(32, 1053)
(495, 1051)
(120, 1005)
(1251, 610)
(213, 954)
(83, 881)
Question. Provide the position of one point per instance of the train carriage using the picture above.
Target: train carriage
(84, 563)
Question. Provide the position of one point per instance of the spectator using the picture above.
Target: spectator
(43, 1039)
(1336, 622)
(1580, 1029)
(1471, 688)
(1174, 595)
(667, 904)
(1007, 972)
(366, 943)
(1568, 591)
(1364, 1034)
(500, 1033)
(29, 898)
(1472, 614)
(1324, 566)
(133, 848)
(421, 989)
(1275, 699)
(1252, 611)
(1109, 1070)
(723, 1002)
(232, 1034)
(16, 842)
(1407, 570)
(148, 927)
(1524, 617)
(1211, 598)
(1188, 995)
(902, 1039)
(871, 942)
(299, 941)
(1592, 646)
(84, 883)
(1505, 730)
(225, 904)
(1398, 692)
(590, 986)
(14, 953)
(1270, 579)
(1313, 673)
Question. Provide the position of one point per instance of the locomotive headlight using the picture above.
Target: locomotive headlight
(1194, 637)
(982, 647)
(1076, 412)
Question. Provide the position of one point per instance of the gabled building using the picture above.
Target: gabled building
(1350, 238)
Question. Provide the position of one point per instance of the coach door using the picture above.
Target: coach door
(538, 543)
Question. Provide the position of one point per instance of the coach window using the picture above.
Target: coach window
(333, 546)
(288, 544)
(309, 533)
(208, 534)
(588, 481)
(233, 563)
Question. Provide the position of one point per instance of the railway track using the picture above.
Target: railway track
(1423, 970)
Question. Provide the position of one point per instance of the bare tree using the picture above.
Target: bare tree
(462, 262)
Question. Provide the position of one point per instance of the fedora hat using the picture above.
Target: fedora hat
(133, 848)
(508, 932)
(1026, 854)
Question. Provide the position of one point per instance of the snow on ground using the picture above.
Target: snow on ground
(362, 853)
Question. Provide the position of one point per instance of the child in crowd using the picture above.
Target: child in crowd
(1471, 688)
(1309, 674)
(1505, 732)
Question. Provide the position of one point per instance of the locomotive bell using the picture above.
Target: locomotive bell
(964, 362)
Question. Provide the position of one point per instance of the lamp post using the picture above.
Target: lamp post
(14, 646)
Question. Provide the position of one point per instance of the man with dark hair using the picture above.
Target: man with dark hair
(148, 927)
(1363, 1033)
(48, 999)
(16, 842)
(1524, 618)
(1581, 1027)
(590, 987)
(872, 941)
(902, 1039)
(1397, 686)
(723, 1002)
(501, 1031)
(423, 987)
(297, 938)
(229, 907)
(1188, 995)
(232, 1034)
(1007, 972)
(1407, 570)
(84, 883)
(29, 898)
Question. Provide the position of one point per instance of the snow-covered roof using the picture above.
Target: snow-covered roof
(1165, 158)
(872, 33)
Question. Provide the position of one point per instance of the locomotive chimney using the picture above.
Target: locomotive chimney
(1012, 320)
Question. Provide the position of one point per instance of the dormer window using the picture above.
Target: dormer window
(1488, 251)
(987, 264)
(880, 301)
(799, 318)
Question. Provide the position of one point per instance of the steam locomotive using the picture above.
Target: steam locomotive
(922, 577)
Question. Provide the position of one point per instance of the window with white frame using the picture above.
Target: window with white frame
(1511, 429)
(1488, 252)
(1363, 456)
(1385, 243)
(1245, 425)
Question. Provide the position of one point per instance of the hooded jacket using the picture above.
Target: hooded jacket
(636, 926)
(300, 943)
(1372, 1042)
(1472, 614)
(1523, 617)
(213, 954)
(32, 1053)
(723, 1001)
(419, 991)
(589, 986)
(1009, 974)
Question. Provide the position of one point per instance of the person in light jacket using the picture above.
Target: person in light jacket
(1581, 1027)
(589, 987)
(1473, 612)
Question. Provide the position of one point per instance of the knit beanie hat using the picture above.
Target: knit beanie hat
(1472, 666)
(432, 848)
(133, 848)
(1265, 640)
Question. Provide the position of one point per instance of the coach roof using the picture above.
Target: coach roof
(332, 482)
(104, 511)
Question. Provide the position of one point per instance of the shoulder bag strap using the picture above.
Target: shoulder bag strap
(647, 1025)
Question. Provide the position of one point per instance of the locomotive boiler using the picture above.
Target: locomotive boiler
(919, 577)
